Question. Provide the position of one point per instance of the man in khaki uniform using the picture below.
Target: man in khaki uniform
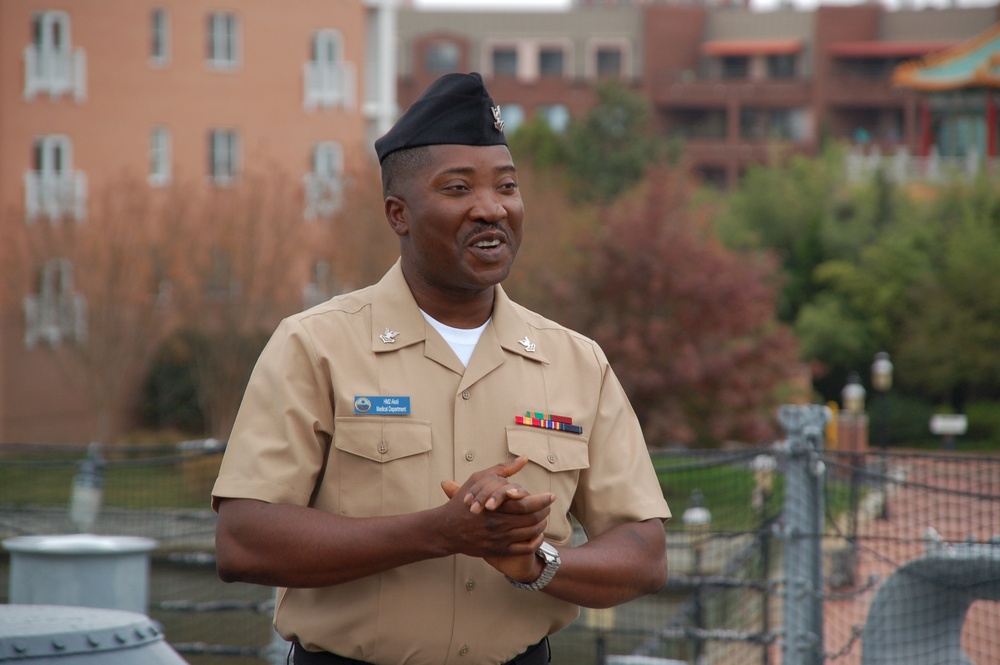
(339, 482)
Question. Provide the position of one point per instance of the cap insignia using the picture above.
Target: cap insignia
(497, 122)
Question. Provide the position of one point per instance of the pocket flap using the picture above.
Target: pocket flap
(382, 440)
(549, 450)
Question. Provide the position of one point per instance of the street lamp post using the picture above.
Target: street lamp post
(882, 382)
(697, 520)
(853, 398)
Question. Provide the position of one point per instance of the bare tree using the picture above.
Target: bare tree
(89, 295)
(236, 260)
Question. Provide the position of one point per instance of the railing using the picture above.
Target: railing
(329, 85)
(55, 72)
(324, 195)
(733, 583)
(55, 195)
(902, 167)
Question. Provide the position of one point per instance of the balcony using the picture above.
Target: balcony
(55, 72)
(902, 167)
(844, 91)
(324, 195)
(329, 85)
(681, 92)
(55, 195)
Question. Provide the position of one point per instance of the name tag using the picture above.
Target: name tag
(381, 405)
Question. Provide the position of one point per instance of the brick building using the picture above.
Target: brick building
(733, 83)
(164, 90)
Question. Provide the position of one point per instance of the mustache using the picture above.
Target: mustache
(482, 227)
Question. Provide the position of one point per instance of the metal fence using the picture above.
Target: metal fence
(779, 554)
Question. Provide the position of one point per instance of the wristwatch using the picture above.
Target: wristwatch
(550, 557)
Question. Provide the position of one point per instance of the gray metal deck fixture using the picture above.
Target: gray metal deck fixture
(918, 614)
(58, 635)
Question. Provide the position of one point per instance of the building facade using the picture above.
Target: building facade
(737, 86)
(165, 91)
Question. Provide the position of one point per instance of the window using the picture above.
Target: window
(223, 156)
(513, 117)
(223, 40)
(781, 66)
(441, 58)
(56, 312)
(609, 61)
(324, 186)
(557, 115)
(322, 287)
(50, 63)
(329, 81)
(159, 43)
(52, 187)
(551, 61)
(159, 156)
(734, 66)
(772, 124)
(504, 61)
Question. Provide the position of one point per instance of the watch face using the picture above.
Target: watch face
(548, 553)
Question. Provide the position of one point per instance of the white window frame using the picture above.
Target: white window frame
(160, 156)
(159, 37)
(56, 313)
(51, 65)
(52, 188)
(324, 186)
(223, 156)
(329, 81)
(224, 41)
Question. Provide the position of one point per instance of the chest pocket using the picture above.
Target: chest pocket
(382, 466)
(555, 462)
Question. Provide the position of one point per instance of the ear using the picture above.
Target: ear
(397, 215)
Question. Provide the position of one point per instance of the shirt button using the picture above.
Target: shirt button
(470, 585)
(552, 458)
(464, 650)
(469, 456)
(383, 447)
(466, 394)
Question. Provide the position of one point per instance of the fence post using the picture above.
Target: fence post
(803, 533)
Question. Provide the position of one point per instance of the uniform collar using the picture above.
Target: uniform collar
(396, 317)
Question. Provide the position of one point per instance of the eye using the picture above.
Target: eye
(456, 187)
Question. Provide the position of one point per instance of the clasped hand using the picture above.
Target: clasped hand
(497, 520)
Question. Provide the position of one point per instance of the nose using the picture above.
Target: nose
(488, 207)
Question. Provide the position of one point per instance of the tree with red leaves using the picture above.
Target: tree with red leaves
(688, 325)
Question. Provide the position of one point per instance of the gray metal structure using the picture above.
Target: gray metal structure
(918, 614)
(56, 635)
(802, 531)
(80, 569)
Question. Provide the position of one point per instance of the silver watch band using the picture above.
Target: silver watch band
(550, 556)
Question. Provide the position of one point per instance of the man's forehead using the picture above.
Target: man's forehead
(455, 158)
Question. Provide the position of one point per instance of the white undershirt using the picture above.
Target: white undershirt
(461, 340)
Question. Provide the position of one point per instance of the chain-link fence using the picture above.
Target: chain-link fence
(899, 566)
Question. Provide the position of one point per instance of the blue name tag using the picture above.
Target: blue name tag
(381, 405)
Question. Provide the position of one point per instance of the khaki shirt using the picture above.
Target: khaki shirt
(300, 406)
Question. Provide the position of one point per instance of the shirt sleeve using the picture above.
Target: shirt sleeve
(620, 485)
(281, 436)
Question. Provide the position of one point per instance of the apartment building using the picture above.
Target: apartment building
(738, 86)
(166, 91)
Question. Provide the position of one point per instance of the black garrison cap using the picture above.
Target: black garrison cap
(455, 109)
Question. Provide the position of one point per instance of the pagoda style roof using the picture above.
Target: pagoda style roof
(972, 64)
